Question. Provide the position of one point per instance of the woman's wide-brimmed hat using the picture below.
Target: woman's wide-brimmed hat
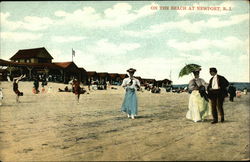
(131, 70)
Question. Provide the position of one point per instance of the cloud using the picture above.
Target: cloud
(82, 59)
(155, 67)
(107, 48)
(31, 23)
(246, 45)
(226, 4)
(205, 57)
(19, 36)
(202, 44)
(235, 69)
(187, 26)
(120, 14)
(244, 64)
(217, 23)
(57, 55)
(66, 39)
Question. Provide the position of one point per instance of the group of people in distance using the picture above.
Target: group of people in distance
(198, 108)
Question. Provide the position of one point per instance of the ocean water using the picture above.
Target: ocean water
(239, 85)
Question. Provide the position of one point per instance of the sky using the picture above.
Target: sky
(157, 38)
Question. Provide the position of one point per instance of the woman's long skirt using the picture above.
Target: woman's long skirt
(198, 108)
(129, 104)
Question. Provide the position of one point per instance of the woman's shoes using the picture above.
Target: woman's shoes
(132, 116)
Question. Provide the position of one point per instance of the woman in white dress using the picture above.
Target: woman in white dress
(198, 108)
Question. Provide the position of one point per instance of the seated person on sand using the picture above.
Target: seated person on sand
(155, 89)
(66, 89)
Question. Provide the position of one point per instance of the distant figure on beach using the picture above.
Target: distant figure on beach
(131, 84)
(217, 92)
(8, 78)
(245, 91)
(238, 94)
(232, 92)
(105, 85)
(66, 89)
(44, 83)
(108, 84)
(1, 96)
(198, 108)
(50, 89)
(15, 87)
(77, 89)
(89, 83)
(155, 89)
(71, 83)
(36, 85)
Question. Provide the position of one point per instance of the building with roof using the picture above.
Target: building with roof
(164, 83)
(147, 81)
(35, 55)
(69, 70)
(83, 77)
(92, 76)
(37, 62)
(102, 76)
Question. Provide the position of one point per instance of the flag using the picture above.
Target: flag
(73, 52)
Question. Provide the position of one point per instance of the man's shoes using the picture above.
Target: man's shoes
(214, 122)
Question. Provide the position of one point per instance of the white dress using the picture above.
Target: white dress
(198, 107)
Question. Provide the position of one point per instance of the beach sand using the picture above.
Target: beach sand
(53, 127)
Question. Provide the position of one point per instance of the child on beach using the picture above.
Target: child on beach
(15, 87)
(76, 89)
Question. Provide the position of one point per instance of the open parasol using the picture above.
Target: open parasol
(189, 68)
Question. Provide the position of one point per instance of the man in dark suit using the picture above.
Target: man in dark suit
(217, 91)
